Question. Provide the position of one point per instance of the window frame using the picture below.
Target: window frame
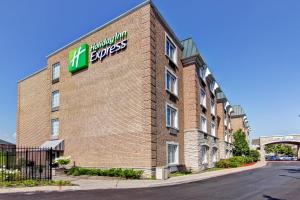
(170, 40)
(55, 108)
(204, 102)
(168, 71)
(52, 127)
(205, 155)
(203, 116)
(56, 79)
(213, 108)
(226, 136)
(202, 72)
(214, 155)
(176, 154)
(176, 123)
(215, 132)
(212, 86)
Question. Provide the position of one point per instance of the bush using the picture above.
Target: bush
(248, 160)
(123, 173)
(34, 183)
(255, 155)
(224, 163)
(234, 164)
(10, 174)
(63, 161)
(238, 159)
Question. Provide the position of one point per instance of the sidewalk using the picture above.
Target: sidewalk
(90, 184)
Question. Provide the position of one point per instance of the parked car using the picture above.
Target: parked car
(272, 158)
(286, 158)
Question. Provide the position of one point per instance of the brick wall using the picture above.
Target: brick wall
(33, 111)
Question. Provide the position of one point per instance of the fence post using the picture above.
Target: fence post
(26, 163)
(51, 163)
(2, 163)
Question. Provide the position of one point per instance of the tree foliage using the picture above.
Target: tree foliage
(241, 146)
(279, 149)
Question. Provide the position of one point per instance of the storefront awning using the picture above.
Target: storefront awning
(57, 145)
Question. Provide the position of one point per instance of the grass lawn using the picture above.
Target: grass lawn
(213, 169)
(33, 183)
(180, 174)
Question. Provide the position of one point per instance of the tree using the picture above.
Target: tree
(241, 146)
(279, 149)
(255, 155)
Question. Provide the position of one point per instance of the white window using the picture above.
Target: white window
(202, 72)
(212, 86)
(171, 82)
(204, 154)
(170, 49)
(227, 154)
(203, 124)
(214, 154)
(213, 128)
(172, 151)
(55, 99)
(55, 127)
(226, 136)
(226, 121)
(213, 107)
(56, 71)
(171, 117)
(203, 98)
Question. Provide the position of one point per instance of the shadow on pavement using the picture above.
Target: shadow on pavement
(289, 176)
(271, 198)
(292, 170)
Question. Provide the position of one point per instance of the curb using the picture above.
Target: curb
(150, 185)
(206, 178)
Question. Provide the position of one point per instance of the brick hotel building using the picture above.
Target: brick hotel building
(129, 94)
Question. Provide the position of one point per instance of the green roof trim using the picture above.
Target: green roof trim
(238, 111)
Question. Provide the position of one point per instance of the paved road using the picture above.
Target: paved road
(277, 181)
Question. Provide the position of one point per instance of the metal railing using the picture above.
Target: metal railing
(20, 163)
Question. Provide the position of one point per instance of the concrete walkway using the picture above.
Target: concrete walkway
(107, 183)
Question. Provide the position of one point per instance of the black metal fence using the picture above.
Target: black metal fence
(18, 163)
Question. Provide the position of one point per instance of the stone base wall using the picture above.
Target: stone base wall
(193, 142)
(211, 142)
(192, 150)
(223, 148)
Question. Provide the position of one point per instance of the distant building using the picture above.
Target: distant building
(239, 120)
(4, 144)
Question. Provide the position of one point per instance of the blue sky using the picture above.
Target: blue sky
(252, 47)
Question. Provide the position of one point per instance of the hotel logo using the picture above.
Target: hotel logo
(79, 58)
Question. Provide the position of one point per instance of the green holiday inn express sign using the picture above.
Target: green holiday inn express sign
(79, 58)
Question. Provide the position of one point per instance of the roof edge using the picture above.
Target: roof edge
(31, 75)
(146, 2)
(102, 26)
(167, 25)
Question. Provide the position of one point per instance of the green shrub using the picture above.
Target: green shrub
(224, 163)
(238, 159)
(10, 174)
(248, 160)
(234, 164)
(255, 155)
(34, 183)
(63, 161)
(123, 173)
